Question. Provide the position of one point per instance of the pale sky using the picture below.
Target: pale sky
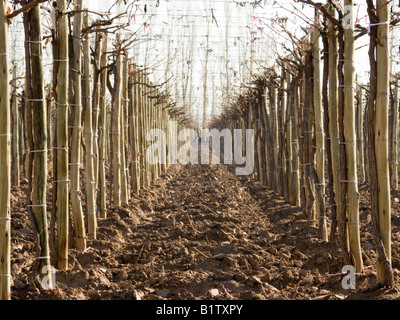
(171, 24)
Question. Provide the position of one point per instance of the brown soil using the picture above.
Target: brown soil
(201, 232)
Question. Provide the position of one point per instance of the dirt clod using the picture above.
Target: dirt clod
(201, 232)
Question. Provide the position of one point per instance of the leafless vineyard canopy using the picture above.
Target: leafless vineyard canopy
(83, 82)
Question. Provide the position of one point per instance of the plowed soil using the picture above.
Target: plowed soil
(201, 232)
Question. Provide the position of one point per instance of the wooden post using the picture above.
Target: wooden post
(89, 134)
(367, 167)
(96, 108)
(21, 134)
(351, 142)
(124, 103)
(302, 158)
(334, 117)
(142, 150)
(288, 137)
(329, 171)
(5, 160)
(161, 125)
(147, 119)
(15, 177)
(360, 138)
(280, 130)
(263, 132)
(76, 111)
(282, 134)
(278, 186)
(295, 141)
(27, 110)
(395, 134)
(116, 132)
(144, 131)
(205, 79)
(377, 146)
(269, 153)
(156, 125)
(103, 129)
(342, 207)
(256, 127)
(134, 133)
(39, 122)
(308, 148)
(49, 113)
(267, 133)
(152, 166)
(165, 119)
(149, 123)
(320, 134)
(381, 135)
(62, 138)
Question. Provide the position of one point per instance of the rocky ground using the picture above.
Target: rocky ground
(201, 232)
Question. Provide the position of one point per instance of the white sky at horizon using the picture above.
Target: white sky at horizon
(170, 19)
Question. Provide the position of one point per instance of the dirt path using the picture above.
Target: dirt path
(200, 232)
